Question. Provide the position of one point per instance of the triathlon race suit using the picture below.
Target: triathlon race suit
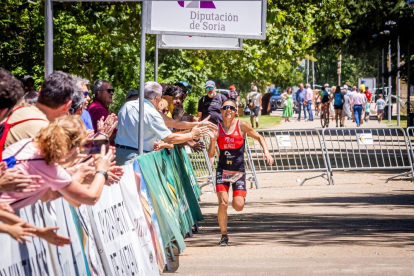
(231, 159)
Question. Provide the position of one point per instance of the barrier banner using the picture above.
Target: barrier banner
(184, 179)
(69, 259)
(116, 240)
(33, 258)
(146, 198)
(153, 168)
(91, 250)
(190, 172)
(150, 256)
(177, 193)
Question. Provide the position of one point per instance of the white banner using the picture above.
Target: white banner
(240, 19)
(33, 258)
(199, 42)
(144, 229)
(116, 239)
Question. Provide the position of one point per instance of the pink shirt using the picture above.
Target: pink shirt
(97, 109)
(53, 175)
(309, 95)
(359, 99)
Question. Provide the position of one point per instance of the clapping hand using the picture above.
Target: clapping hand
(107, 127)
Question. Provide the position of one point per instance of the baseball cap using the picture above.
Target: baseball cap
(184, 83)
(232, 87)
(363, 81)
(210, 83)
(132, 92)
(345, 86)
(326, 85)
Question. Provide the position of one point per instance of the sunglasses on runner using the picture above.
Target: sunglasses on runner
(227, 107)
(110, 90)
(209, 88)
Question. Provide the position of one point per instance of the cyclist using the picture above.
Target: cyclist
(230, 169)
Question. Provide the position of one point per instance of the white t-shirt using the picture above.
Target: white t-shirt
(255, 97)
(128, 118)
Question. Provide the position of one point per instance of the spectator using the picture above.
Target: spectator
(54, 101)
(155, 126)
(163, 107)
(368, 95)
(380, 107)
(332, 103)
(233, 94)
(210, 104)
(346, 111)
(56, 144)
(346, 91)
(103, 97)
(132, 95)
(254, 99)
(338, 97)
(83, 86)
(308, 102)
(185, 87)
(300, 98)
(11, 92)
(288, 108)
(29, 99)
(28, 83)
(362, 86)
(358, 102)
(174, 96)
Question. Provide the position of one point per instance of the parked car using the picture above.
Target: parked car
(225, 92)
(276, 102)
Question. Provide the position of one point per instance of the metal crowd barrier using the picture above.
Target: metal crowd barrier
(410, 139)
(366, 149)
(297, 150)
(205, 172)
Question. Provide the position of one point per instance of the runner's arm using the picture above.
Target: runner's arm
(247, 129)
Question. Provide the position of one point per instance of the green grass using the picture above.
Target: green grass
(265, 121)
(393, 122)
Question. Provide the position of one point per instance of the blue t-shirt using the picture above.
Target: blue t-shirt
(380, 104)
(86, 118)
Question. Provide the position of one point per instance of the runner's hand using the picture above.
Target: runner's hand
(19, 231)
(49, 235)
(16, 181)
(269, 159)
(209, 124)
(199, 132)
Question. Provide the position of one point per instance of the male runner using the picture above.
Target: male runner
(230, 169)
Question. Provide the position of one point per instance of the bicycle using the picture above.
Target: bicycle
(324, 115)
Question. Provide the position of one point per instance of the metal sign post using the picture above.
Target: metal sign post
(398, 84)
(48, 37)
(144, 20)
(156, 59)
(389, 83)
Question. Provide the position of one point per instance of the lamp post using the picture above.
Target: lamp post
(389, 82)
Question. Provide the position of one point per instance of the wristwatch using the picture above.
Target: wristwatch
(104, 173)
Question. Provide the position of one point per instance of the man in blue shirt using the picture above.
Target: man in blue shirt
(300, 98)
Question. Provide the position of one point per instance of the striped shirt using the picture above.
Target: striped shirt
(359, 99)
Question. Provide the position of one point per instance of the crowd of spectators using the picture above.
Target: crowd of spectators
(62, 140)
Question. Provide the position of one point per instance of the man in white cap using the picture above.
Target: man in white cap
(210, 104)
(308, 101)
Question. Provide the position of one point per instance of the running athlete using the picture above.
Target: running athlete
(230, 169)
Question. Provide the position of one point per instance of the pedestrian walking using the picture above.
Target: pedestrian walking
(346, 111)
(358, 102)
(331, 104)
(254, 99)
(288, 108)
(380, 107)
(300, 98)
(230, 169)
(338, 105)
(308, 102)
(317, 104)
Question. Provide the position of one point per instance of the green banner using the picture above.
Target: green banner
(190, 173)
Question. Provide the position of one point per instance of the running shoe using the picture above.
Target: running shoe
(224, 240)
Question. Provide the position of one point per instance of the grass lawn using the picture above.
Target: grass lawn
(265, 121)
(394, 121)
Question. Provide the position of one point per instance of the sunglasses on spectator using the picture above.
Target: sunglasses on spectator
(227, 107)
(110, 90)
(209, 88)
(86, 93)
(164, 111)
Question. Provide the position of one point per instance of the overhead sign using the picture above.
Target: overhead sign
(239, 19)
(199, 42)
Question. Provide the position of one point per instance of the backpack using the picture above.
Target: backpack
(338, 98)
(5, 128)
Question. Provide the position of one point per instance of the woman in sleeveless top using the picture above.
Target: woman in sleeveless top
(288, 108)
(230, 169)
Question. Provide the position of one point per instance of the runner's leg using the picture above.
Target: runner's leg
(238, 203)
(223, 201)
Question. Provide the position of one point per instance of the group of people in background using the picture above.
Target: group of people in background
(342, 103)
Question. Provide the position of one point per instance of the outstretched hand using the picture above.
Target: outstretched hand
(207, 123)
(49, 235)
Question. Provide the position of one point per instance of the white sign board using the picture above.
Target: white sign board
(365, 139)
(240, 19)
(283, 141)
(199, 42)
